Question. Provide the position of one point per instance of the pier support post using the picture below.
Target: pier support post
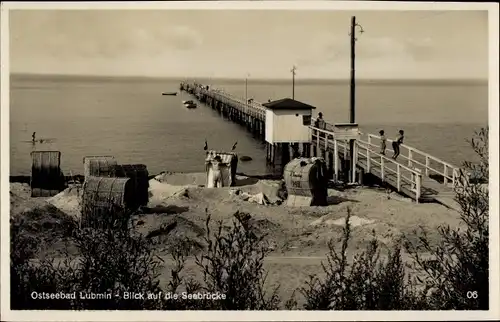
(267, 153)
(306, 148)
(271, 154)
(285, 153)
(336, 154)
(330, 165)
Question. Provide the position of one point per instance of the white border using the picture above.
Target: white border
(7, 314)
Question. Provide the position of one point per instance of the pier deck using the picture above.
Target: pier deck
(414, 174)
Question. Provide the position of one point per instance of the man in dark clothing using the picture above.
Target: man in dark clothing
(320, 124)
(397, 143)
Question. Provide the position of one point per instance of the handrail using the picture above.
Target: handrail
(415, 182)
(426, 166)
(383, 156)
(446, 166)
(402, 145)
(253, 108)
(391, 160)
(418, 151)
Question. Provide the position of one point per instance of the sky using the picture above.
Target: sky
(250, 43)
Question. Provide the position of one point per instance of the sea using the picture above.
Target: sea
(128, 118)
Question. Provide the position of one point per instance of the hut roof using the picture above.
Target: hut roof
(288, 104)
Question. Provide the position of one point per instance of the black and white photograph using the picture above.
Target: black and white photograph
(214, 157)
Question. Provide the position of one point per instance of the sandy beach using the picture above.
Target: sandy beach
(298, 236)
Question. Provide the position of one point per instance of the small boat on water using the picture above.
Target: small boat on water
(169, 93)
(189, 104)
(48, 140)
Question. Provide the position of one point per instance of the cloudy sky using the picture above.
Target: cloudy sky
(264, 43)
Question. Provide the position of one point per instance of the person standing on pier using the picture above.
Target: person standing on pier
(320, 124)
(397, 143)
(382, 142)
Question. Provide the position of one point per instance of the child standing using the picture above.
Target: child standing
(216, 164)
(382, 142)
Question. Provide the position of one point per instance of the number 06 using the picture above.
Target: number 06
(472, 295)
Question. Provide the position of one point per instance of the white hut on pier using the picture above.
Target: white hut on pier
(287, 123)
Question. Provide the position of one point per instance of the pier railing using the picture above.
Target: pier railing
(388, 169)
(252, 108)
(412, 164)
(413, 157)
(418, 159)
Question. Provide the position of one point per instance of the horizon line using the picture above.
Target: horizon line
(228, 78)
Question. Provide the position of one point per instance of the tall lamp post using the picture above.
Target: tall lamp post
(293, 80)
(352, 110)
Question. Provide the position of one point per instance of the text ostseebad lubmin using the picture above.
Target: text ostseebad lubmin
(128, 296)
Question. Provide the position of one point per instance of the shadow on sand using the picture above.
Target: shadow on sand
(169, 210)
(335, 200)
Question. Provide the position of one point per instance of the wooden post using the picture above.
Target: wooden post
(368, 156)
(418, 187)
(285, 153)
(317, 138)
(353, 163)
(330, 165)
(398, 177)
(273, 149)
(427, 165)
(267, 153)
(445, 174)
(382, 174)
(326, 144)
(336, 153)
(352, 96)
(410, 157)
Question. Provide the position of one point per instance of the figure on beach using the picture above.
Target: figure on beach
(382, 142)
(216, 171)
(397, 143)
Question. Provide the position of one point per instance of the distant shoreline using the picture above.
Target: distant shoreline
(298, 81)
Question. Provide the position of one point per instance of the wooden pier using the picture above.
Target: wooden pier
(414, 174)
